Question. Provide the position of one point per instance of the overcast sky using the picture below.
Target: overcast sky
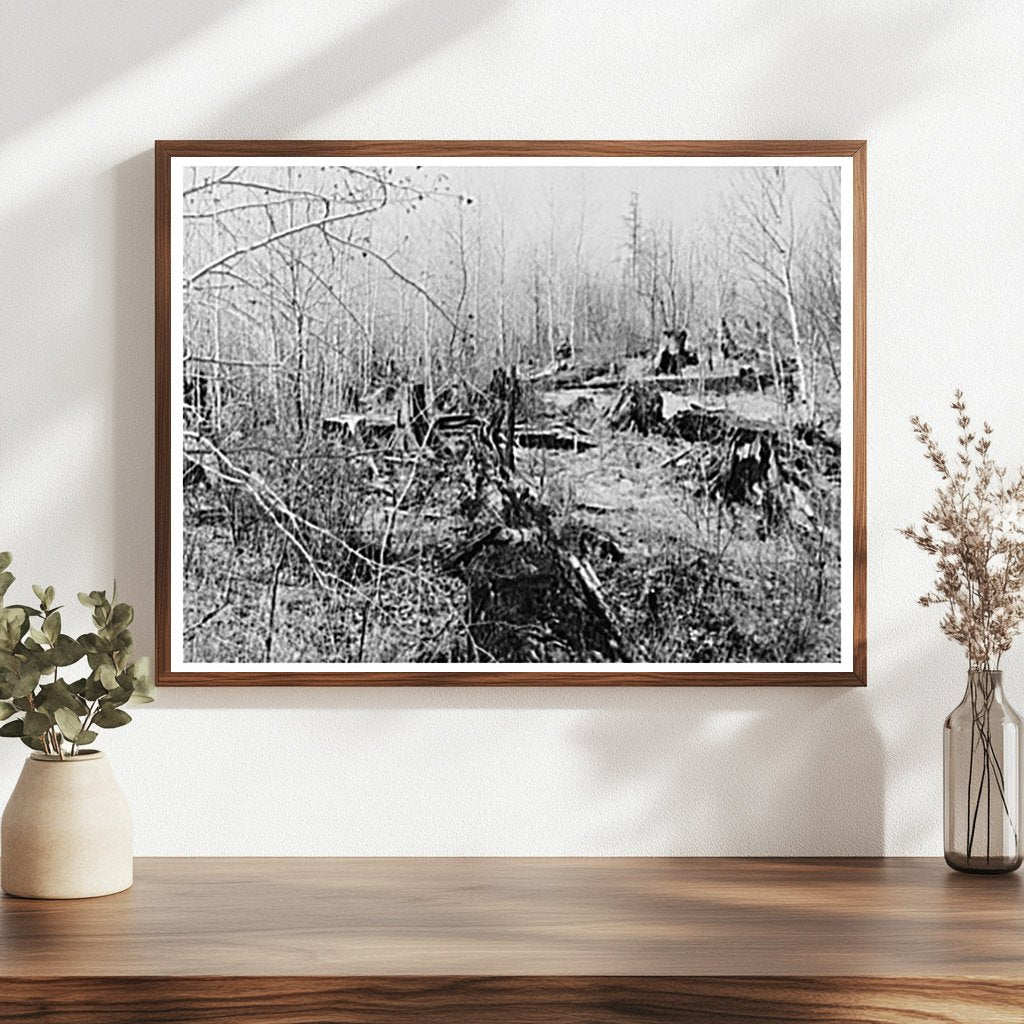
(528, 196)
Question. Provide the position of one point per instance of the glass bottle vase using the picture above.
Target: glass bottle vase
(981, 770)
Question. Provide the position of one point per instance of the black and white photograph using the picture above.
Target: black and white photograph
(535, 414)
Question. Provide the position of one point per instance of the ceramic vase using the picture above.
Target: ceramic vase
(66, 831)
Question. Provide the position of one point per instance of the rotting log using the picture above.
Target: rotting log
(743, 378)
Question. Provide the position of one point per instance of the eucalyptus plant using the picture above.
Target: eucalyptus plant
(37, 704)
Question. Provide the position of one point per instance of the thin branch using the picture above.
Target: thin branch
(276, 237)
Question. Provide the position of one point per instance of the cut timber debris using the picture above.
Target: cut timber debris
(531, 597)
(559, 439)
(639, 407)
(758, 464)
(358, 427)
(727, 382)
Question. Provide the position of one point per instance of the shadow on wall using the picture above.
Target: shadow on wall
(925, 680)
(394, 40)
(53, 37)
(673, 770)
(386, 45)
(132, 410)
(751, 772)
(688, 771)
(811, 55)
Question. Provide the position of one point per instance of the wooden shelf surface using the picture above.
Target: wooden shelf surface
(508, 916)
(354, 932)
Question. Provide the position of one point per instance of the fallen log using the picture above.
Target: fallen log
(599, 509)
(715, 425)
(562, 376)
(456, 423)
(554, 440)
(741, 379)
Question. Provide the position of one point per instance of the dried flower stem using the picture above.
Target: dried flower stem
(975, 531)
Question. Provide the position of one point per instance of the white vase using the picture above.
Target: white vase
(66, 831)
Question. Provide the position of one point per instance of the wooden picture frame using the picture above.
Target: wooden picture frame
(172, 409)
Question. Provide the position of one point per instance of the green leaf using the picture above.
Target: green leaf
(31, 741)
(13, 728)
(115, 698)
(107, 676)
(67, 651)
(59, 695)
(30, 612)
(6, 710)
(94, 689)
(5, 559)
(86, 736)
(40, 592)
(94, 644)
(6, 579)
(89, 600)
(51, 626)
(142, 684)
(122, 616)
(69, 724)
(13, 623)
(50, 595)
(28, 680)
(38, 635)
(36, 723)
(108, 718)
(15, 615)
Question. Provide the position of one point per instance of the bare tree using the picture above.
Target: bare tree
(389, 375)
(770, 239)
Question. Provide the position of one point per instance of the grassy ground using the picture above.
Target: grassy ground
(687, 578)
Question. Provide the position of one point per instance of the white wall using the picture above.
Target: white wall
(937, 89)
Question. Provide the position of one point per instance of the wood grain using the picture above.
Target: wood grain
(166, 149)
(573, 941)
(537, 1000)
(369, 917)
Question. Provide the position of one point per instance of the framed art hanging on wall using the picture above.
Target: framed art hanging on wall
(542, 413)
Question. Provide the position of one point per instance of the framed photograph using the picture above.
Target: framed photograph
(493, 413)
